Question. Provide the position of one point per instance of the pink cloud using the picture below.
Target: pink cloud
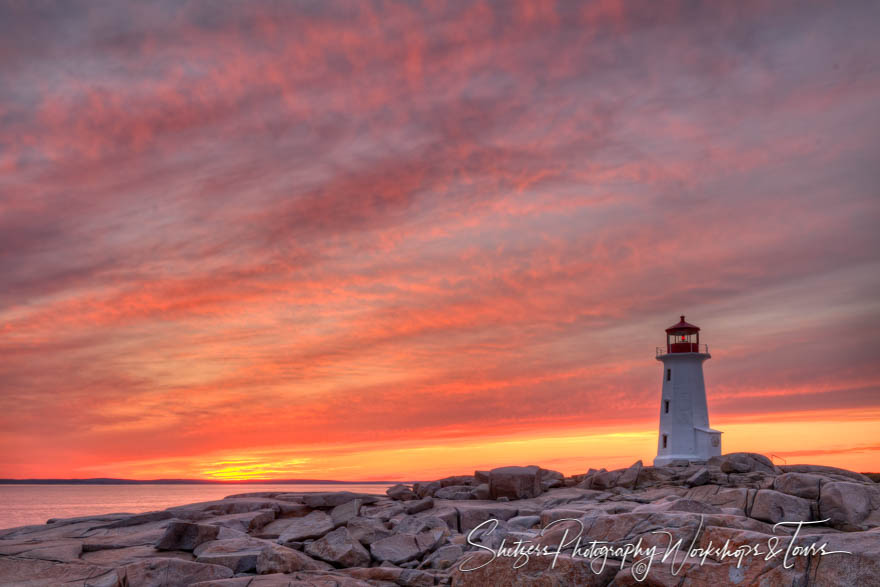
(352, 223)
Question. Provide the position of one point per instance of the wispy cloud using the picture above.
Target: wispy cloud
(298, 225)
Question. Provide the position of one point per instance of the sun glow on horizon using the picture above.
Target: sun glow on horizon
(250, 468)
(570, 451)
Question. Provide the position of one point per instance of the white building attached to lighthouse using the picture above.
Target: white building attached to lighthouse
(684, 415)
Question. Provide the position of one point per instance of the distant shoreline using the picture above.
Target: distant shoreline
(110, 481)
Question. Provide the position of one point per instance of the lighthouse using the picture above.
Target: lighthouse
(684, 415)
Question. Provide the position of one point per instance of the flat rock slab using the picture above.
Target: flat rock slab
(680, 505)
(804, 485)
(186, 536)
(238, 562)
(274, 529)
(417, 524)
(168, 571)
(275, 558)
(567, 571)
(64, 550)
(340, 549)
(515, 482)
(137, 519)
(59, 553)
(231, 545)
(56, 531)
(523, 522)
(471, 516)
(396, 549)
(239, 554)
(395, 576)
(862, 567)
(22, 572)
(630, 476)
(384, 510)
(826, 471)
(723, 497)
(335, 498)
(314, 525)
(223, 507)
(118, 539)
(455, 492)
(849, 505)
(299, 579)
(97, 519)
(368, 530)
(774, 506)
(118, 557)
(244, 522)
(444, 557)
(700, 477)
(549, 516)
(342, 513)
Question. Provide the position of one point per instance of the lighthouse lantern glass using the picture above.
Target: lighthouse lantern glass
(680, 337)
(683, 341)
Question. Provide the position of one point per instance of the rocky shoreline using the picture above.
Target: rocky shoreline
(454, 531)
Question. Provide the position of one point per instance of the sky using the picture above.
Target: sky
(403, 240)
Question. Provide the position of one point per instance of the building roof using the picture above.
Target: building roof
(682, 325)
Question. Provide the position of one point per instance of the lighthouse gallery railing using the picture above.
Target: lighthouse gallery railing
(701, 348)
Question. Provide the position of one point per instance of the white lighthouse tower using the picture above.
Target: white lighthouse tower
(684, 415)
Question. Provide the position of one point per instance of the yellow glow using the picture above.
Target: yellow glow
(841, 439)
(243, 469)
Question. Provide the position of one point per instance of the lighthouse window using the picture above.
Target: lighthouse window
(669, 375)
(664, 441)
(680, 338)
(666, 406)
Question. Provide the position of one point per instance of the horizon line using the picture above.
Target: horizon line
(172, 481)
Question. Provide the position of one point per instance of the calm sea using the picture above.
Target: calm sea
(21, 505)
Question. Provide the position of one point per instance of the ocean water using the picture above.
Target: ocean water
(22, 505)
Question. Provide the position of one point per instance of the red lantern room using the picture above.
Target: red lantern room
(683, 338)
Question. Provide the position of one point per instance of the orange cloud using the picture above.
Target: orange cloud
(281, 240)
